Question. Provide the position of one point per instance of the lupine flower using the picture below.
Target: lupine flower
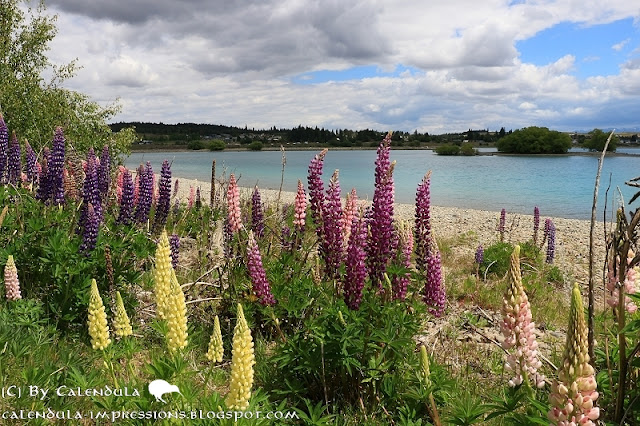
(502, 223)
(480, 254)
(44, 183)
(90, 231)
(216, 349)
(242, 361)
(176, 314)
(98, 327)
(120, 182)
(11, 283)
(121, 324)
(551, 241)
(125, 216)
(14, 166)
(257, 214)
(31, 160)
(401, 282)
(631, 283)
(424, 366)
(574, 393)
(332, 244)
(285, 239)
(300, 208)
(536, 224)
(233, 205)
(349, 212)
(316, 189)
(175, 188)
(434, 291)
(154, 189)
(422, 227)
(4, 148)
(198, 202)
(162, 275)
(104, 172)
(136, 189)
(174, 243)
(145, 196)
(56, 166)
(192, 197)
(164, 199)
(90, 191)
(356, 270)
(519, 330)
(382, 237)
(259, 282)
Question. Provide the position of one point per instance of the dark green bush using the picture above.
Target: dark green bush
(448, 150)
(217, 145)
(255, 146)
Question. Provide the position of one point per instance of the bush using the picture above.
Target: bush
(467, 149)
(217, 145)
(448, 150)
(535, 140)
(255, 146)
(195, 145)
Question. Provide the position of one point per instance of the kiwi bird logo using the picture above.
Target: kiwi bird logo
(158, 388)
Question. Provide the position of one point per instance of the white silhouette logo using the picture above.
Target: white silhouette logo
(158, 388)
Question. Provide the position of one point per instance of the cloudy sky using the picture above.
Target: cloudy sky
(436, 66)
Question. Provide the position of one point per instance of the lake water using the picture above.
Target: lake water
(561, 186)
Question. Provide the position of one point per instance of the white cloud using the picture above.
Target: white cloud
(619, 46)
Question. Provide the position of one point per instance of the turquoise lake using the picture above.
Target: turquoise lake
(561, 186)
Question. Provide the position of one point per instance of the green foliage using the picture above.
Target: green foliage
(448, 150)
(597, 139)
(217, 145)
(468, 149)
(535, 140)
(255, 146)
(195, 145)
(497, 257)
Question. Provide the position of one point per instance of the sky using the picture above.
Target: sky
(432, 66)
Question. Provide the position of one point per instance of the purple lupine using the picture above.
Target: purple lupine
(356, 270)
(44, 185)
(145, 196)
(257, 214)
(164, 198)
(174, 244)
(382, 232)
(175, 188)
(31, 159)
(332, 243)
(258, 276)
(56, 169)
(14, 166)
(4, 148)
(480, 254)
(90, 231)
(434, 291)
(316, 190)
(90, 191)
(502, 223)
(125, 215)
(551, 240)
(422, 228)
(285, 239)
(536, 224)
(198, 202)
(104, 173)
(176, 205)
(399, 283)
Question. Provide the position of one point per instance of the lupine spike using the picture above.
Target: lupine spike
(349, 212)
(44, 184)
(56, 166)
(14, 160)
(98, 327)
(104, 173)
(316, 189)
(162, 275)
(145, 196)
(502, 223)
(90, 231)
(176, 315)
(174, 243)
(125, 216)
(11, 283)
(259, 282)
(519, 331)
(479, 258)
(121, 323)
(356, 269)
(300, 208)
(332, 244)
(422, 227)
(403, 258)
(31, 160)
(631, 283)
(257, 214)
(536, 224)
(424, 366)
(164, 198)
(551, 241)
(574, 393)
(233, 205)
(242, 361)
(434, 291)
(216, 348)
(4, 148)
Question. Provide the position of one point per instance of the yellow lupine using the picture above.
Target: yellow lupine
(242, 362)
(98, 328)
(176, 314)
(216, 350)
(121, 324)
(162, 275)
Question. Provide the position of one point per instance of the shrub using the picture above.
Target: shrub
(255, 146)
(448, 150)
(217, 145)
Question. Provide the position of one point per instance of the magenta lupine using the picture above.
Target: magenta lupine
(551, 241)
(125, 215)
(519, 331)
(401, 282)
(332, 243)
(536, 224)
(14, 165)
(145, 196)
(257, 214)
(104, 173)
(174, 245)
(56, 166)
(422, 226)
(4, 148)
(90, 231)
(316, 189)
(233, 205)
(356, 270)
(382, 238)
(11, 283)
(349, 212)
(300, 208)
(259, 282)
(434, 291)
(479, 254)
(631, 284)
(31, 159)
(164, 199)
(502, 223)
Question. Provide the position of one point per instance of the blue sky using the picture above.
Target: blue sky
(384, 64)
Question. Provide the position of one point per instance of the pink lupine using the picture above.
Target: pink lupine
(631, 284)
(356, 270)
(434, 291)
(332, 243)
(349, 212)
(233, 205)
(316, 190)
(502, 223)
(120, 182)
(300, 208)
(258, 276)
(574, 393)
(422, 226)
(11, 283)
(519, 331)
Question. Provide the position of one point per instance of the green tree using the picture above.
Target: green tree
(597, 138)
(535, 140)
(33, 107)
